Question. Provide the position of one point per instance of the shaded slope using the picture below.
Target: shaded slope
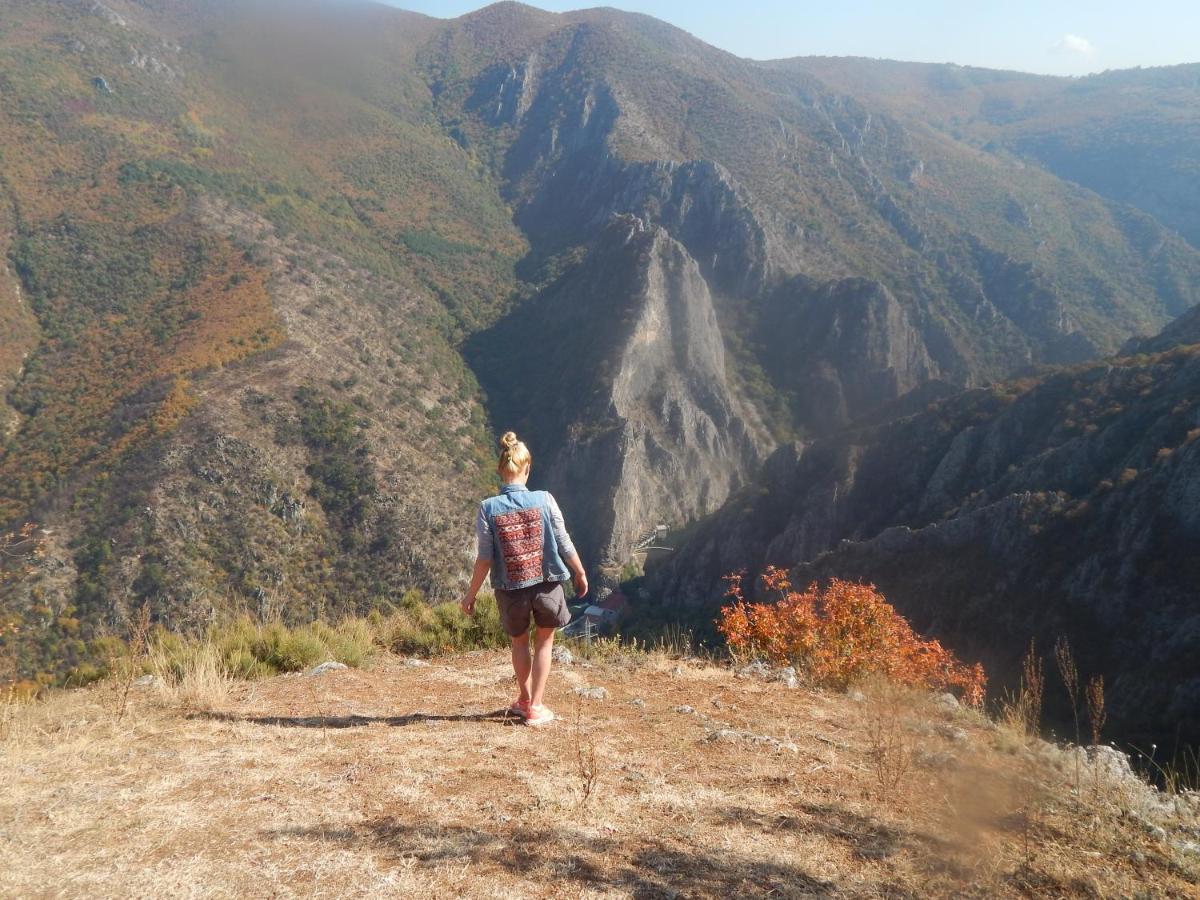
(1061, 506)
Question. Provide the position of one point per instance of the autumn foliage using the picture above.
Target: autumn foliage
(840, 633)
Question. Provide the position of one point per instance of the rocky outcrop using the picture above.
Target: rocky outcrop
(1182, 332)
(841, 350)
(1063, 508)
(623, 390)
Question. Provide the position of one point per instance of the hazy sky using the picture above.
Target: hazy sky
(1061, 37)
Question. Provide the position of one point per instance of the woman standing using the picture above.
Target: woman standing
(522, 540)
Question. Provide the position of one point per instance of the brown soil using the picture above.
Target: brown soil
(410, 780)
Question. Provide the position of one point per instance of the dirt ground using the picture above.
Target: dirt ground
(685, 780)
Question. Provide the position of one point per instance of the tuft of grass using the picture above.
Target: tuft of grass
(194, 675)
(417, 628)
(245, 649)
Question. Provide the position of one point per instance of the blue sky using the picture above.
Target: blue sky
(1059, 37)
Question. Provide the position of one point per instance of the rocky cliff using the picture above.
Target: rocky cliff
(617, 373)
(1064, 505)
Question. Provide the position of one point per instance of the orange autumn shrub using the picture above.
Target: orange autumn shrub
(838, 634)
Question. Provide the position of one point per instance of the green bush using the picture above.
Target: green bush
(249, 650)
(420, 629)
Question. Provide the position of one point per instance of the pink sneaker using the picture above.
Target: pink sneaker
(539, 715)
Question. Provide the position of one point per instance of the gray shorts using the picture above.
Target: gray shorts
(546, 602)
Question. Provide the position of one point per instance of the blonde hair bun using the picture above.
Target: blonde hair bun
(514, 456)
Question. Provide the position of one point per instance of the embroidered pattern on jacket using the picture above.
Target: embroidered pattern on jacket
(520, 536)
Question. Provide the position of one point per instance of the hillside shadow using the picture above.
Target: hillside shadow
(651, 869)
(498, 717)
(867, 837)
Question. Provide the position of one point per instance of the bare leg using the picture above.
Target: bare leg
(522, 664)
(543, 640)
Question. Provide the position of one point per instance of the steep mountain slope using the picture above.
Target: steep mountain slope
(244, 323)
(1065, 505)
(623, 386)
(1131, 136)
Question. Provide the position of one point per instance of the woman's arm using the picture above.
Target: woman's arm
(567, 549)
(482, 567)
(578, 576)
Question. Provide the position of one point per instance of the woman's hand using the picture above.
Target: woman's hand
(467, 604)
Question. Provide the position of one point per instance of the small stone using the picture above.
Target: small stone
(563, 656)
(857, 696)
(638, 702)
(787, 676)
(733, 736)
(1111, 762)
(414, 663)
(1155, 831)
(329, 666)
(677, 671)
(684, 709)
(146, 681)
(1191, 848)
(592, 693)
(938, 761)
(952, 733)
(756, 669)
(947, 703)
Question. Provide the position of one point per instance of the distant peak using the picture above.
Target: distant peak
(508, 9)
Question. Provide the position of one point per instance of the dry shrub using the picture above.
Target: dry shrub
(890, 745)
(1022, 710)
(587, 772)
(195, 677)
(840, 634)
(418, 628)
(1097, 715)
(124, 669)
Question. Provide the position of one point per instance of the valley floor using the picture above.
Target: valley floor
(407, 779)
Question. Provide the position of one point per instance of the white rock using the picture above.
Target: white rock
(414, 663)
(947, 703)
(684, 709)
(563, 656)
(733, 736)
(330, 666)
(756, 669)
(592, 693)
(951, 733)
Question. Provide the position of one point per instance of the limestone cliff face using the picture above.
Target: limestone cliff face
(842, 349)
(627, 365)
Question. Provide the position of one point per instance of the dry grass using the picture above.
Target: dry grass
(409, 780)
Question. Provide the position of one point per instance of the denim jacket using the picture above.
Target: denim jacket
(523, 533)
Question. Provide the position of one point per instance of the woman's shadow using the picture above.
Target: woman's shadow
(498, 717)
